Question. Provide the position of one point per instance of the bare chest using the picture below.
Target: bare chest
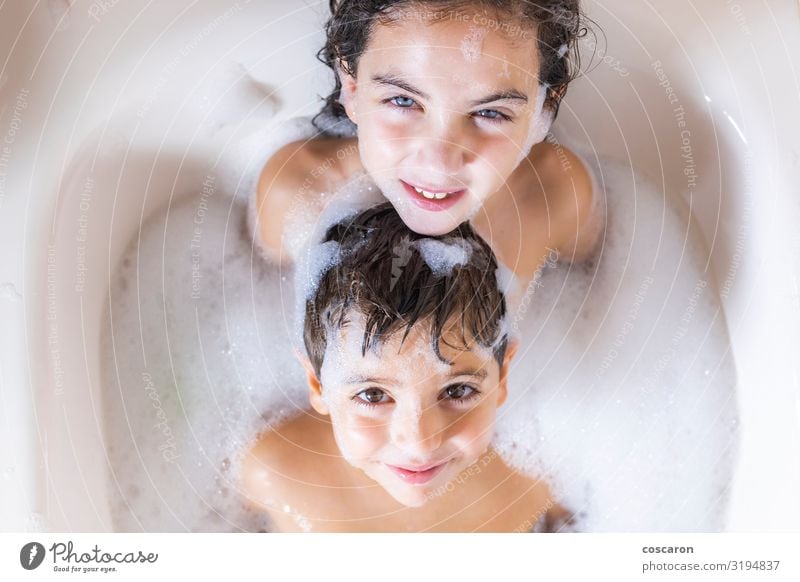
(498, 502)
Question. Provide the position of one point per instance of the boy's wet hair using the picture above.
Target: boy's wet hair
(558, 24)
(382, 272)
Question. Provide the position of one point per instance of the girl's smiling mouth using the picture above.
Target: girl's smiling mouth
(417, 477)
(433, 200)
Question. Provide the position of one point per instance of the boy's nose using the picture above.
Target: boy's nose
(417, 431)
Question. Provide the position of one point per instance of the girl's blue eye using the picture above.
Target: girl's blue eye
(408, 100)
(497, 118)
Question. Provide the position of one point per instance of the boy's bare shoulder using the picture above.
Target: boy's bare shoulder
(286, 459)
(542, 511)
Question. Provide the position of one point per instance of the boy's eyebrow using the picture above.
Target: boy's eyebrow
(361, 379)
(480, 374)
(504, 95)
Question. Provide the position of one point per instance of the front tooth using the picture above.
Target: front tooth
(422, 192)
(431, 195)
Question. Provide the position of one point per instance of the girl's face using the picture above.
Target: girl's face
(401, 407)
(444, 106)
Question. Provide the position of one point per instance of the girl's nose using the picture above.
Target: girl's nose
(443, 151)
(416, 431)
(443, 159)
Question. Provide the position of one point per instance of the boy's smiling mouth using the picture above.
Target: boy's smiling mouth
(435, 199)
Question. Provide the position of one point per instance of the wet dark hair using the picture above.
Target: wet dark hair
(559, 25)
(380, 273)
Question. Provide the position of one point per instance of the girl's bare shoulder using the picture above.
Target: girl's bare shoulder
(308, 162)
(565, 197)
(296, 174)
(559, 170)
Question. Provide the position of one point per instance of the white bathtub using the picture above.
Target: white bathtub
(80, 78)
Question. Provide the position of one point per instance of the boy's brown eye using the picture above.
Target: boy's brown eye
(372, 395)
(459, 391)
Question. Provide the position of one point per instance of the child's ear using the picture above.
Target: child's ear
(511, 351)
(314, 385)
(348, 91)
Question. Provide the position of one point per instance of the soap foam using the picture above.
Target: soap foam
(313, 257)
(542, 120)
(443, 256)
(197, 363)
(621, 394)
(472, 43)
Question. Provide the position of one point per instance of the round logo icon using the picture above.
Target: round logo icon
(31, 555)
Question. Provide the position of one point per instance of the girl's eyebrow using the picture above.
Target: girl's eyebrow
(504, 95)
(390, 79)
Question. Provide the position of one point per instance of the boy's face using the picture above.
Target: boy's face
(401, 406)
(416, 101)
